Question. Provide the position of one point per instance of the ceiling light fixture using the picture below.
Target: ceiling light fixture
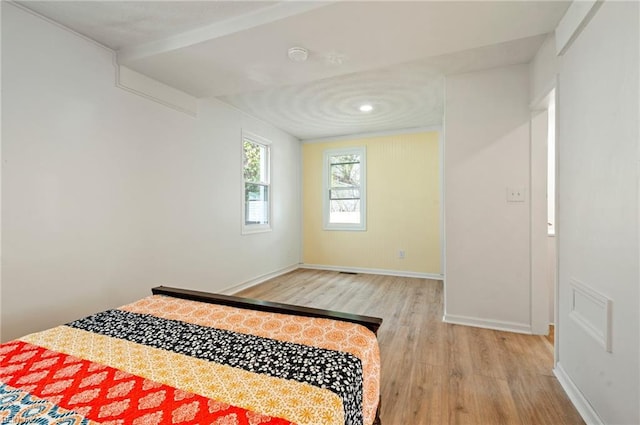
(298, 54)
(366, 107)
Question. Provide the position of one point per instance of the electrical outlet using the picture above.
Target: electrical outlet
(401, 254)
(515, 194)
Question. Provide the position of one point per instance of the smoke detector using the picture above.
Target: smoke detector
(298, 54)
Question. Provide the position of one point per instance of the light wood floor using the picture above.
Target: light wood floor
(432, 372)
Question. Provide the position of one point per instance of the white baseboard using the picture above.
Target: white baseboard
(582, 405)
(255, 281)
(497, 325)
(385, 272)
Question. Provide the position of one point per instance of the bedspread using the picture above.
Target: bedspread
(168, 360)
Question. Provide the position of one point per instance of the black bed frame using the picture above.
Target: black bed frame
(372, 323)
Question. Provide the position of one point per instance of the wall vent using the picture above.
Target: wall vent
(591, 310)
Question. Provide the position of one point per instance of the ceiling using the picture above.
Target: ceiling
(394, 55)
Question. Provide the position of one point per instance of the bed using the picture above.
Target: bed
(191, 357)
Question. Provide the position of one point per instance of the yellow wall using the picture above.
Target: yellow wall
(403, 206)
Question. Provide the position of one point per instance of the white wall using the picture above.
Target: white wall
(598, 145)
(106, 194)
(486, 151)
(543, 70)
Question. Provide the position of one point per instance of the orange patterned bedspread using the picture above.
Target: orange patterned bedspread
(164, 360)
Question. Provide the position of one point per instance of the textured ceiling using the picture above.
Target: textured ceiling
(403, 96)
(392, 54)
(118, 24)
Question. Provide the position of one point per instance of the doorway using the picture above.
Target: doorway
(543, 213)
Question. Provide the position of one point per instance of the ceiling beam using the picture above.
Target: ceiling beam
(280, 10)
(573, 22)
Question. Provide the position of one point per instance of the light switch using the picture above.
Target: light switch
(515, 194)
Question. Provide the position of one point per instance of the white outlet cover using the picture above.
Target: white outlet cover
(516, 194)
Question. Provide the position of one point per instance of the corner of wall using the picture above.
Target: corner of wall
(573, 22)
(543, 70)
(142, 85)
(578, 399)
(498, 325)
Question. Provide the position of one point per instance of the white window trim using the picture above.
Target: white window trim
(248, 229)
(362, 226)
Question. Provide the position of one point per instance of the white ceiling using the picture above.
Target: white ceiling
(393, 54)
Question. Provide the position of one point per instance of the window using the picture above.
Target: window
(256, 184)
(344, 189)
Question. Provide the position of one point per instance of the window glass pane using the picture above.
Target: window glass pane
(339, 159)
(344, 211)
(256, 203)
(255, 162)
(344, 189)
(345, 175)
(351, 193)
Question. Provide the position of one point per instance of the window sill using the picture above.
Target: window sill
(345, 228)
(252, 230)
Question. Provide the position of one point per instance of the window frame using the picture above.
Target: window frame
(326, 189)
(251, 228)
